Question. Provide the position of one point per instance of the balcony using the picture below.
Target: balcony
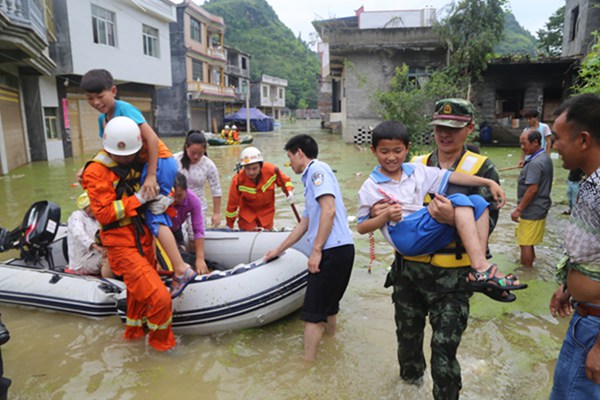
(217, 53)
(237, 71)
(23, 40)
(210, 91)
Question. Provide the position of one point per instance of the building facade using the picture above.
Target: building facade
(268, 95)
(129, 39)
(359, 56)
(237, 76)
(26, 30)
(199, 93)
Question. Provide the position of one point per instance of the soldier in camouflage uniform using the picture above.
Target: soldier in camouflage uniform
(436, 284)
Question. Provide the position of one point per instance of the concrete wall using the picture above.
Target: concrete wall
(366, 73)
(173, 117)
(126, 61)
(30, 87)
(588, 21)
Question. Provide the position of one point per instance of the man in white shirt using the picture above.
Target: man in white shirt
(532, 117)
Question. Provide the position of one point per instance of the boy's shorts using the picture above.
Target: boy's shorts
(420, 234)
(530, 232)
(166, 170)
(326, 288)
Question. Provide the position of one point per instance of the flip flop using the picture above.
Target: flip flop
(179, 284)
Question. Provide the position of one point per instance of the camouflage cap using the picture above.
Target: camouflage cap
(454, 113)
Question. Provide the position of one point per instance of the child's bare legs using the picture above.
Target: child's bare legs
(474, 235)
(167, 240)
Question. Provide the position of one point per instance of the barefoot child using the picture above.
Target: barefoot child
(159, 171)
(408, 226)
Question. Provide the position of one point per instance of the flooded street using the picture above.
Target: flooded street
(508, 350)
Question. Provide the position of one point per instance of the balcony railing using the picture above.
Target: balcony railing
(201, 90)
(237, 71)
(217, 53)
(24, 34)
(25, 13)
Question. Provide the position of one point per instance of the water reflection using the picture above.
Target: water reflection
(508, 351)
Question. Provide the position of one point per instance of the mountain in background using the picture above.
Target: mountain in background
(516, 39)
(254, 28)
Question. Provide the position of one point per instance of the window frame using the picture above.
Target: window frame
(100, 22)
(193, 23)
(51, 123)
(151, 43)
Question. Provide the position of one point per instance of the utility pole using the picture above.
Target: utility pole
(247, 86)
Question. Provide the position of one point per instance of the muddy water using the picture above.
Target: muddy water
(508, 351)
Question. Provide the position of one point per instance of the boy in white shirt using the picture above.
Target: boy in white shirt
(408, 226)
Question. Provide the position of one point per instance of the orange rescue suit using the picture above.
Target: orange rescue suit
(148, 300)
(253, 204)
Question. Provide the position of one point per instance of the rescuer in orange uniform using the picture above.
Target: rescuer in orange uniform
(252, 192)
(112, 180)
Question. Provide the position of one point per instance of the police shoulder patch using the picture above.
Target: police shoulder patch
(317, 178)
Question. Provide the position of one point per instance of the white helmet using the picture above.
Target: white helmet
(122, 137)
(226, 127)
(233, 127)
(250, 155)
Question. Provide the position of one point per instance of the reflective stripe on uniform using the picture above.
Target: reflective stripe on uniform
(119, 209)
(133, 322)
(154, 327)
(247, 189)
(231, 214)
(268, 183)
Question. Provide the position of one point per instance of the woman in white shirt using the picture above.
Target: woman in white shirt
(198, 169)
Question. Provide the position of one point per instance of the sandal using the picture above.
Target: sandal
(499, 295)
(480, 281)
(180, 283)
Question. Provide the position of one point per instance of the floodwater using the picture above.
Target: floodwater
(508, 350)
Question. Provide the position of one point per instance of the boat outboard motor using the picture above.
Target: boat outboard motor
(36, 233)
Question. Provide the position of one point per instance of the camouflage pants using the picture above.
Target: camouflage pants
(419, 290)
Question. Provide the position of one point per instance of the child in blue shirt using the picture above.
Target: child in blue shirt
(160, 169)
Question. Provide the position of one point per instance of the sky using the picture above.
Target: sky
(298, 15)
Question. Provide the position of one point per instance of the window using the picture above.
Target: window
(195, 30)
(197, 70)
(509, 103)
(50, 122)
(150, 37)
(574, 22)
(265, 91)
(244, 66)
(103, 25)
(280, 93)
(215, 76)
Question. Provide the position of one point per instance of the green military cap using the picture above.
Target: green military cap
(454, 113)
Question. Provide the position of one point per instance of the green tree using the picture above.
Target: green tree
(411, 101)
(589, 72)
(550, 38)
(472, 29)
(516, 39)
(253, 27)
